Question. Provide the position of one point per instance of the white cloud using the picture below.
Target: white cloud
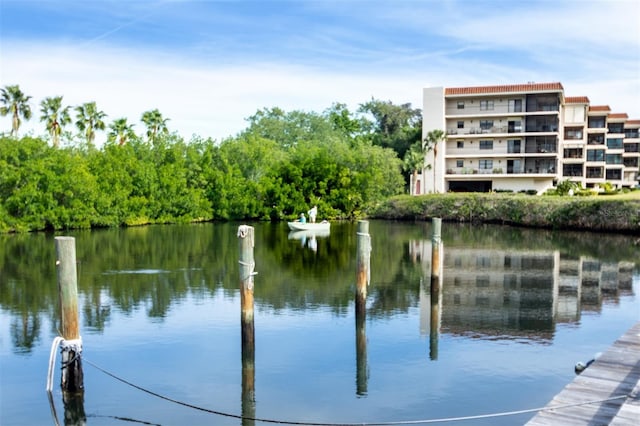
(207, 100)
(205, 92)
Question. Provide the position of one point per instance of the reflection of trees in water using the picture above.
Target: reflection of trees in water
(154, 267)
(25, 331)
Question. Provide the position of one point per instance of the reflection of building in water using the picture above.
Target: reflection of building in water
(497, 292)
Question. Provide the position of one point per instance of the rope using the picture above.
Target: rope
(244, 231)
(52, 361)
(74, 345)
(405, 422)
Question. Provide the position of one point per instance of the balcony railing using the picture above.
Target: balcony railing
(499, 171)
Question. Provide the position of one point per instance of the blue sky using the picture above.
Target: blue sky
(207, 65)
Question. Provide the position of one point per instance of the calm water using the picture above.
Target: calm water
(160, 308)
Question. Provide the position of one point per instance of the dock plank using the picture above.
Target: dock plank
(616, 373)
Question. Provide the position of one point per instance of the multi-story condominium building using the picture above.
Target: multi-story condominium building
(524, 137)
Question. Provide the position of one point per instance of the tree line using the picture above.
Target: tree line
(344, 162)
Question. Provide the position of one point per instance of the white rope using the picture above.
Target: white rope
(244, 231)
(52, 361)
(74, 345)
(252, 272)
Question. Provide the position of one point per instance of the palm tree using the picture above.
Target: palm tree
(414, 162)
(155, 124)
(431, 142)
(55, 116)
(121, 131)
(89, 120)
(15, 102)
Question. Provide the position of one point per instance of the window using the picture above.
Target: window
(572, 170)
(595, 155)
(614, 143)
(616, 128)
(460, 144)
(596, 122)
(486, 124)
(460, 163)
(573, 133)
(596, 139)
(594, 172)
(515, 105)
(486, 105)
(460, 124)
(514, 126)
(486, 144)
(631, 133)
(485, 164)
(613, 159)
(513, 146)
(460, 105)
(615, 174)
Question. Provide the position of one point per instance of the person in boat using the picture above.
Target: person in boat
(302, 219)
(312, 214)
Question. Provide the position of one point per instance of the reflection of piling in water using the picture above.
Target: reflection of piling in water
(72, 375)
(362, 372)
(247, 265)
(436, 283)
(74, 409)
(362, 280)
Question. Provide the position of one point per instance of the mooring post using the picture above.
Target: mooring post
(363, 260)
(247, 266)
(72, 375)
(362, 280)
(436, 281)
(436, 241)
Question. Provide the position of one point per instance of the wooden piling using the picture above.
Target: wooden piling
(247, 265)
(362, 266)
(435, 288)
(436, 241)
(362, 280)
(362, 368)
(72, 375)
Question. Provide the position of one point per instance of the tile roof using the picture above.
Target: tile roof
(511, 88)
(632, 122)
(576, 100)
(602, 108)
(618, 115)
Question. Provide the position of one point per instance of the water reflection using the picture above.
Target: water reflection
(496, 280)
(309, 238)
(506, 294)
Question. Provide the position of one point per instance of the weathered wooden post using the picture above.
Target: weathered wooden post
(363, 260)
(72, 375)
(362, 280)
(247, 265)
(436, 281)
(435, 248)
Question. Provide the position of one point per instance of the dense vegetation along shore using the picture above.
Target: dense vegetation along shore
(602, 213)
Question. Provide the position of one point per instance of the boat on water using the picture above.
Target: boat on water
(308, 226)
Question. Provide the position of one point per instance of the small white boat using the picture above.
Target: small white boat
(307, 226)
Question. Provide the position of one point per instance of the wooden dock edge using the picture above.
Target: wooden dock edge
(615, 373)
